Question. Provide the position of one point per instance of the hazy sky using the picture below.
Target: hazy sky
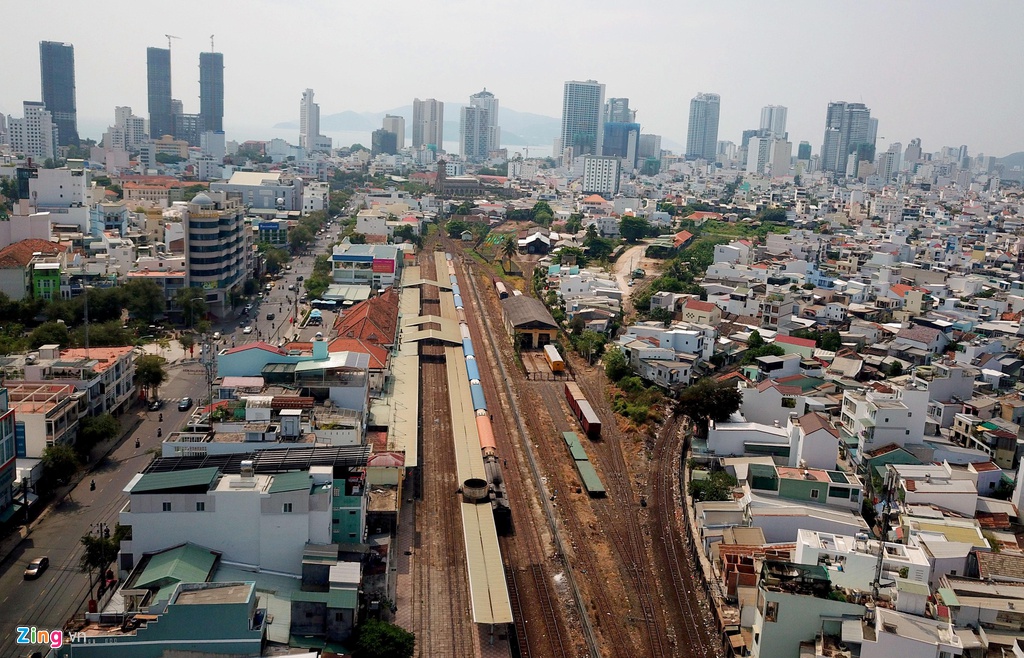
(947, 72)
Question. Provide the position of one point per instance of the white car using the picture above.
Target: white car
(216, 335)
(247, 330)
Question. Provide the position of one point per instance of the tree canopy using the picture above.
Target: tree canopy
(379, 639)
(60, 462)
(708, 400)
(149, 370)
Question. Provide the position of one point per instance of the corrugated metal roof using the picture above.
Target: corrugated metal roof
(187, 563)
(197, 477)
(589, 477)
(488, 592)
(342, 599)
(294, 481)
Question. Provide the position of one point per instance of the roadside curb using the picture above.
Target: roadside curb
(11, 543)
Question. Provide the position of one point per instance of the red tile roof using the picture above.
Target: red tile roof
(375, 319)
(697, 305)
(793, 340)
(681, 238)
(257, 345)
(378, 355)
(20, 253)
(814, 421)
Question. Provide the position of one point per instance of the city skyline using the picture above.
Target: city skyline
(908, 71)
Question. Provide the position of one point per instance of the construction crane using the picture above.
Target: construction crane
(169, 37)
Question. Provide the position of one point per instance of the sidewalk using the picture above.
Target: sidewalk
(130, 420)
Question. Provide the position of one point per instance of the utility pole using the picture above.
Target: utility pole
(209, 366)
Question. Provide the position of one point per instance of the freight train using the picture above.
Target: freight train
(488, 447)
(583, 411)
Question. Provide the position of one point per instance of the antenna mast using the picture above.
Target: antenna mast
(211, 44)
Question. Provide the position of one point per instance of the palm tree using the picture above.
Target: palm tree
(509, 248)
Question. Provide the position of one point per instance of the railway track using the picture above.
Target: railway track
(523, 553)
(617, 640)
(443, 617)
(664, 465)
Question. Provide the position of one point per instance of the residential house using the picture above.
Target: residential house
(256, 518)
(32, 268)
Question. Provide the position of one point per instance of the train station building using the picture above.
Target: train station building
(528, 318)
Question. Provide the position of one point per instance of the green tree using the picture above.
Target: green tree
(299, 238)
(543, 218)
(167, 158)
(455, 227)
(766, 349)
(379, 639)
(541, 207)
(49, 333)
(275, 259)
(831, 341)
(509, 248)
(592, 232)
(93, 430)
(100, 551)
(615, 365)
(572, 255)
(60, 462)
(144, 298)
(407, 234)
(575, 223)
(895, 369)
(589, 344)
(707, 400)
(755, 339)
(187, 342)
(633, 229)
(191, 191)
(192, 302)
(149, 371)
(717, 486)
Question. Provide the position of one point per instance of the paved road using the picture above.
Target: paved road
(62, 590)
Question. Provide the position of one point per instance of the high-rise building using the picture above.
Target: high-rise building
(428, 124)
(616, 110)
(57, 74)
(491, 131)
(600, 175)
(35, 135)
(309, 120)
(3, 129)
(128, 131)
(622, 140)
(158, 69)
(473, 136)
(582, 117)
(396, 124)
(887, 165)
(773, 121)
(309, 125)
(211, 91)
(702, 133)
(848, 126)
(650, 146)
(218, 248)
(383, 142)
(803, 151)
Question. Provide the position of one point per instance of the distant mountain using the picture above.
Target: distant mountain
(517, 128)
(1012, 160)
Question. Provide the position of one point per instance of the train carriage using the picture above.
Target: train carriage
(555, 361)
(477, 392)
(472, 369)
